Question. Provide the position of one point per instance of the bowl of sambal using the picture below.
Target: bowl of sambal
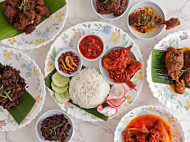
(90, 47)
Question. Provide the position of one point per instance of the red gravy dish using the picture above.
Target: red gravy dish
(91, 47)
(147, 128)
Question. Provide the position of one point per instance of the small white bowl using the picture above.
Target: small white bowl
(57, 66)
(156, 31)
(51, 113)
(81, 53)
(108, 16)
(104, 72)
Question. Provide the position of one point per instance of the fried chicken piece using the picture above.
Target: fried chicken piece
(180, 86)
(174, 62)
(172, 23)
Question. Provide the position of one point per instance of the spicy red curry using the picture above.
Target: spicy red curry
(147, 128)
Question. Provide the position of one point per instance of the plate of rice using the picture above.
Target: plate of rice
(86, 93)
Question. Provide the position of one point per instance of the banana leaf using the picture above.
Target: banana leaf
(7, 30)
(20, 111)
(92, 111)
(158, 68)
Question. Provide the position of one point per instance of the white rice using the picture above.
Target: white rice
(88, 88)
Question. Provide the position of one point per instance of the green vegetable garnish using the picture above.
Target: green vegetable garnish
(106, 1)
(23, 5)
(6, 93)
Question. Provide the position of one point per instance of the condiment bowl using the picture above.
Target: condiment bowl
(81, 53)
(156, 31)
(111, 15)
(51, 113)
(104, 72)
(57, 65)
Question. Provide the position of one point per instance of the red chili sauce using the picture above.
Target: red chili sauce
(91, 47)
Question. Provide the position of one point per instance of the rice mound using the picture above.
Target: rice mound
(88, 88)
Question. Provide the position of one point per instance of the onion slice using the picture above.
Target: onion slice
(116, 95)
(108, 111)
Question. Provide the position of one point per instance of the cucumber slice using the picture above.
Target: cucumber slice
(59, 80)
(59, 89)
(63, 97)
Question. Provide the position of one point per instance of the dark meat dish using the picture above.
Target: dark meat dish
(56, 128)
(146, 19)
(174, 60)
(25, 14)
(147, 128)
(12, 86)
(121, 66)
(111, 6)
(186, 75)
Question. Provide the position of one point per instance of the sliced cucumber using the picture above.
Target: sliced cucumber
(62, 97)
(59, 80)
(59, 89)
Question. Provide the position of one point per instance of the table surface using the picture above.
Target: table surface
(81, 11)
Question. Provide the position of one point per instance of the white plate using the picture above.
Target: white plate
(163, 92)
(176, 128)
(108, 16)
(44, 33)
(113, 37)
(34, 80)
(48, 114)
(156, 31)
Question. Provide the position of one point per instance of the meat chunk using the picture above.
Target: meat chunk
(174, 62)
(180, 86)
(25, 16)
(116, 7)
(172, 23)
(186, 75)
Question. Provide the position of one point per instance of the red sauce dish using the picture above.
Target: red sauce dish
(91, 47)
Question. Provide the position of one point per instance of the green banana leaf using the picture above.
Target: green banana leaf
(158, 68)
(92, 111)
(7, 30)
(20, 111)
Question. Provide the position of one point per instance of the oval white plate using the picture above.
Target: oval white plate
(34, 80)
(108, 16)
(163, 92)
(176, 128)
(113, 37)
(156, 31)
(44, 33)
(48, 114)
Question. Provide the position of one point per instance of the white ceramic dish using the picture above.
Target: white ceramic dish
(57, 66)
(81, 53)
(156, 31)
(163, 92)
(111, 15)
(113, 37)
(51, 113)
(104, 72)
(44, 33)
(34, 78)
(176, 128)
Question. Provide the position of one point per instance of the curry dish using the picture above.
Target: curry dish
(146, 19)
(147, 128)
